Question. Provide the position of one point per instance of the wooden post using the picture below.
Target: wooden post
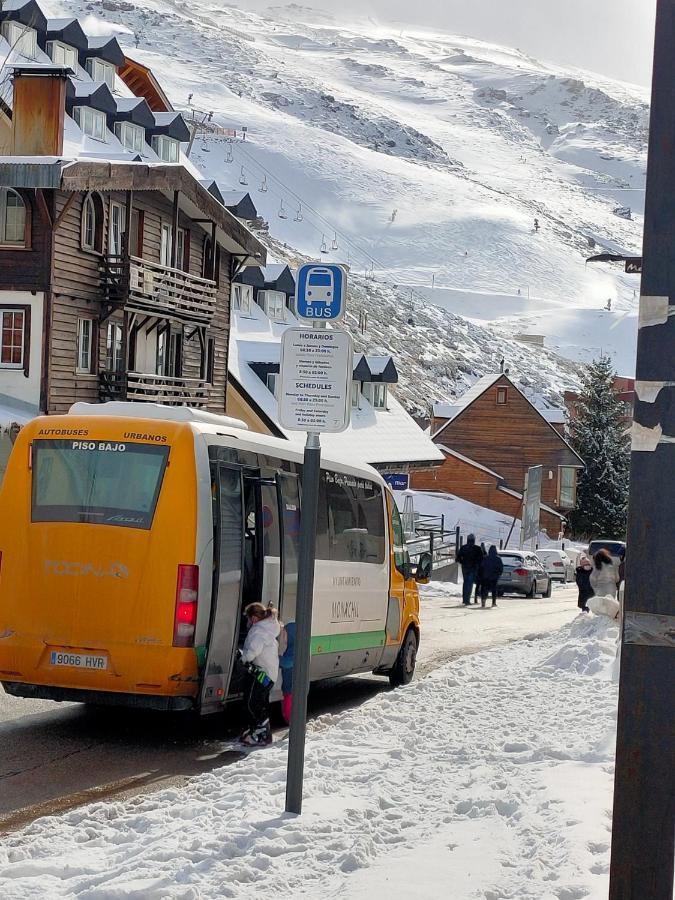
(174, 229)
(213, 251)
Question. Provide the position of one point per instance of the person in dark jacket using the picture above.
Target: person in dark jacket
(470, 558)
(478, 592)
(491, 572)
(583, 579)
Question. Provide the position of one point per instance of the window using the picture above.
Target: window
(12, 338)
(62, 54)
(567, 477)
(168, 149)
(181, 248)
(100, 70)
(401, 556)
(116, 228)
(272, 381)
(169, 359)
(130, 136)
(275, 305)
(376, 394)
(92, 223)
(20, 38)
(210, 360)
(85, 344)
(242, 294)
(113, 348)
(351, 520)
(165, 246)
(84, 481)
(12, 218)
(356, 394)
(502, 396)
(91, 121)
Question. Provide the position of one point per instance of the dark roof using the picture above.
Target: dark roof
(68, 31)
(251, 275)
(278, 277)
(172, 124)
(27, 12)
(38, 70)
(263, 369)
(90, 93)
(378, 369)
(106, 48)
(239, 204)
(135, 110)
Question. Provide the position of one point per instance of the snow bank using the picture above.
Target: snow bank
(489, 775)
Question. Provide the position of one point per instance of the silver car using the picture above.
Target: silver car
(523, 574)
(558, 564)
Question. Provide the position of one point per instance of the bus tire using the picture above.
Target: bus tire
(404, 667)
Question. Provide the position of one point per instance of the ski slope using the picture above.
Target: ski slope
(425, 157)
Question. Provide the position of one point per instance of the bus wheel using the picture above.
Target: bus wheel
(404, 667)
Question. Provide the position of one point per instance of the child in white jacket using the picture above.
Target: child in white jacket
(260, 656)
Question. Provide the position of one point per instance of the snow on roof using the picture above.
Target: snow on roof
(374, 436)
(554, 416)
(470, 462)
(272, 271)
(377, 364)
(477, 388)
(444, 410)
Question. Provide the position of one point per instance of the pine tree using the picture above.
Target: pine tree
(599, 435)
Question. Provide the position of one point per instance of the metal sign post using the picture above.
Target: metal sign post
(314, 396)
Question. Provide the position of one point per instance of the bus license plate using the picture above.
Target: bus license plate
(79, 660)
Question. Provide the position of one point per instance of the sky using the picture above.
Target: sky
(611, 37)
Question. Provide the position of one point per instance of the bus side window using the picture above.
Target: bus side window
(401, 556)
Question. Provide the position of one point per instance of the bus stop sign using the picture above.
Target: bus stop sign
(321, 292)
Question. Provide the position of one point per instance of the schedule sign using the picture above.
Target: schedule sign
(315, 380)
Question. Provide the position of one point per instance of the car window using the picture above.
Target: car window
(510, 559)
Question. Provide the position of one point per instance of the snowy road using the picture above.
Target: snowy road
(56, 757)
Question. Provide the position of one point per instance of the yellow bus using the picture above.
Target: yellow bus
(133, 535)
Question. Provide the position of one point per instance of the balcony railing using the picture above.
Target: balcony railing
(144, 388)
(146, 287)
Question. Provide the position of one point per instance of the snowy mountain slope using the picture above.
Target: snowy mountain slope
(422, 156)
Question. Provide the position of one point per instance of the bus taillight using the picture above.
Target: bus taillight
(187, 590)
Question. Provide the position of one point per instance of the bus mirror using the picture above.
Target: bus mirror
(424, 567)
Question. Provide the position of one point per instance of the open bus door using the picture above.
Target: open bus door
(223, 631)
(288, 503)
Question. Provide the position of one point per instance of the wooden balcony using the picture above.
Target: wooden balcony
(144, 388)
(144, 287)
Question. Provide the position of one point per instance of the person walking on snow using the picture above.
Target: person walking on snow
(470, 558)
(477, 593)
(491, 572)
(582, 577)
(260, 658)
(286, 661)
(604, 577)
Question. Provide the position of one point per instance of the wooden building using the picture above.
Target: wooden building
(489, 438)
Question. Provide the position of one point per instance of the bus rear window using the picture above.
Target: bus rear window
(97, 482)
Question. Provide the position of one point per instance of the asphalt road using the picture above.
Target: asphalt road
(54, 757)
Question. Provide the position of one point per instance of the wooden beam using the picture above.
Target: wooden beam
(69, 202)
(214, 254)
(42, 203)
(174, 229)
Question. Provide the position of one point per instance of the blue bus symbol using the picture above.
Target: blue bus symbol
(320, 287)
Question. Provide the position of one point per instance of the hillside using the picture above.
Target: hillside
(426, 159)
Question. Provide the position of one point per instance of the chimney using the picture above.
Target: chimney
(39, 109)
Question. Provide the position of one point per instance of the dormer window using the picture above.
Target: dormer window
(62, 54)
(242, 294)
(356, 394)
(376, 394)
(168, 149)
(91, 121)
(272, 381)
(130, 136)
(100, 70)
(20, 38)
(274, 304)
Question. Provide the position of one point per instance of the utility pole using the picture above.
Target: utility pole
(644, 803)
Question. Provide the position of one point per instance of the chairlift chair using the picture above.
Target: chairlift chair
(298, 215)
(263, 186)
(324, 246)
(335, 245)
(282, 212)
(242, 177)
(229, 158)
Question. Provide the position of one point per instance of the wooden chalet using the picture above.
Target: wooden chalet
(116, 262)
(489, 438)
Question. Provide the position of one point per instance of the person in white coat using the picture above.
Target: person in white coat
(605, 576)
(260, 657)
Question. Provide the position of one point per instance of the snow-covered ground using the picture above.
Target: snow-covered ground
(490, 778)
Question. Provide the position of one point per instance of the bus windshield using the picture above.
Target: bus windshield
(97, 482)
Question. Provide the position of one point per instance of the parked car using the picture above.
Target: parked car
(523, 574)
(558, 564)
(616, 548)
